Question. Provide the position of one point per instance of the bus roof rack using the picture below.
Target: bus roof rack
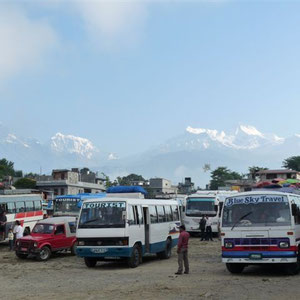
(126, 189)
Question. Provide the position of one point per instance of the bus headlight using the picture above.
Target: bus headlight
(284, 245)
(80, 243)
(35, 244)
(228, 245)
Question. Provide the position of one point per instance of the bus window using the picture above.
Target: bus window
(29, 206)
(168, 213)
(140, 214)
(3, 207)
(11, 209)
(37, 205)
(175, 213)
(20, 206)
(131, 215)
(153, 214)
(161, 213)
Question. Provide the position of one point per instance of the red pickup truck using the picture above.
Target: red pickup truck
(48, 236)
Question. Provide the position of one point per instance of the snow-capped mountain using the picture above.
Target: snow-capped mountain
(180, 156)
(71, 144)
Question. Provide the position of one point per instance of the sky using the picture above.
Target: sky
(131, 74)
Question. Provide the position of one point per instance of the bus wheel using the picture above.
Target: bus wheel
(291, 269)
(235, 268)
(21, 255)
(135, 257)
(90, 262)
(44, 254)
(166, 254)
(73, 248)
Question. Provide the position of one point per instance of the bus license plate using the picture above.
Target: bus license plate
(24, 249)
(255, 256)
(99, 250)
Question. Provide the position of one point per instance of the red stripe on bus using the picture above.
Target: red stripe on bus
(30, 214)
(20, 215)
(39, 213)
(259, 248)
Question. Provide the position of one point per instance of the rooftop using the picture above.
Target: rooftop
(280, 171)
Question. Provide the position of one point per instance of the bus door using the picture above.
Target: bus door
(147, 228)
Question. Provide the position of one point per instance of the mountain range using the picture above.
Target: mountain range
(182, 156)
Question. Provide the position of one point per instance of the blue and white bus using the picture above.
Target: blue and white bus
(118, 227)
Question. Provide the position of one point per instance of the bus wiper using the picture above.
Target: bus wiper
(241, 218)
(89, 221)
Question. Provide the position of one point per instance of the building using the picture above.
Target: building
(282, 173)
(187, 187)
(69, 182)
(161, 186)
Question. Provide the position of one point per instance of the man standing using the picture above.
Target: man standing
(208, 229)
(3, 221)
(202, 227)
(182, 250)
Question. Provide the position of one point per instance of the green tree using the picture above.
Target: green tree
(254, 170)
(6, 168)
(108, 183)
(220, 175)
(127, 180)
(25, 183)
(292, 163)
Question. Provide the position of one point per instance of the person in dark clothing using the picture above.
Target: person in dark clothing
(202, 225)
(3, 220)
(182, 251)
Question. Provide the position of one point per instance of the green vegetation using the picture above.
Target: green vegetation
(292, 163)
(220, 175)
(25, 183)
(7, 169)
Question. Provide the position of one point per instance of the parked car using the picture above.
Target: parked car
(48, 236)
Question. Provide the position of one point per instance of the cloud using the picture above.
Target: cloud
(110, 23)
(23, 41)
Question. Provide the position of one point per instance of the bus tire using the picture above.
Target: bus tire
(21, 255)
(291, 269)
(135, 258)
(235, 268)
(167, 253)
(73, 248)
(90, 262)
(44, 254)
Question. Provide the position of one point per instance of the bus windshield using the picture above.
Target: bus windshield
(257, 210)
(102, 215)
(66, 205)
(199, 206)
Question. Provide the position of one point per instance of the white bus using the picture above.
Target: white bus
(115, 227)
(204, 203)
(259, 228)
(27, 208)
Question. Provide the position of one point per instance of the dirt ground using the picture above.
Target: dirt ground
(66, 277)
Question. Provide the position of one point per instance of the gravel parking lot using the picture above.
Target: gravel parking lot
(66, 277)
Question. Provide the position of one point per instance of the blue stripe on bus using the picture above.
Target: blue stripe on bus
(120, 251)
(265, 254)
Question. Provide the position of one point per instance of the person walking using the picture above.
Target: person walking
(208, 228)
(182, 251)
(10, 236)
(202, 226)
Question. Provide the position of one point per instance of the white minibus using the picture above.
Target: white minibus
(261, 227)
(204, 203)
(118, 227)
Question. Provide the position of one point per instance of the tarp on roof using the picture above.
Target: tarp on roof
(126, 189)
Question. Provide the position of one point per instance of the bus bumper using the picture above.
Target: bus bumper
(103, 252)
(262, 257)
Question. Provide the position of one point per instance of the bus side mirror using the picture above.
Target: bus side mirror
(216, 208)
(221, 206)
(183, 208)
(294, 209)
